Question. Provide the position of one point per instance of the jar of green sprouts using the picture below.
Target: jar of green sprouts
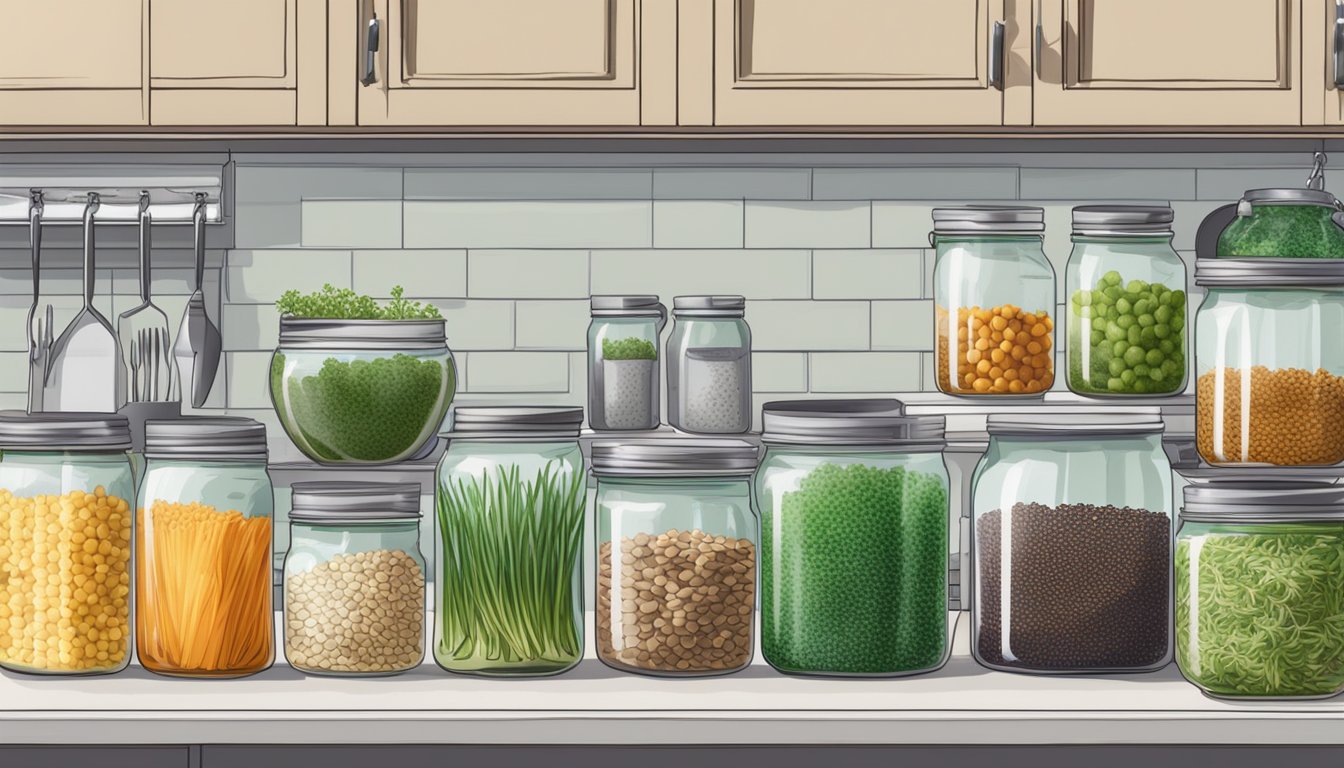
(509, 504)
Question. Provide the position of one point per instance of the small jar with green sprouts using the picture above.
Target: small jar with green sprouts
(509, 504)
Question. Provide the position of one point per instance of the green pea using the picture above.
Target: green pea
(1163, 314)
(1177, 299)
(1143, 307)
(1116, 366)
(1147, 321)
(1157, 374)
(1083, 297)
(1172, 367)
(1115, 292)
(1134, 334)
(1128, 377)
(1118, 348)
(1162, 331)
(1134, 356)
(1141, 387)
(1115, 385)
(1100, 297)
(1124, 305)
(1115, 333)
(1125, 321)
(1148, 338)
(1112, 313)
(1141, 370)
(1111, 278)
(1136, 286)
(1178, 322)
(1167, 346)
(1154, 357)
(1098, 337)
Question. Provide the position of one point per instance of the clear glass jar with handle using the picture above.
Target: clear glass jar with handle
(355, 579)
(1126, 286)
(1071, 544)
(676, 555)
(204, 571)
(1289, 223)
(510, 499)
(623, 391)
(709, 365)
(994, 299)
(854, 539)
(66, 516)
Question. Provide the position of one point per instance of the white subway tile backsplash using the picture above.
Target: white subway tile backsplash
(351, 223)
(249, 375)
(1147, 184)
(1189, 215)
(552, 325)
(1228, 184)
(801, 326)
(477, 325)
(697, 223)
(907, 183)
(838, 224)
(756, 274)
(14, 371)
(421, 273)
(528, 224)
(903, 224)
(732, 183)
(259, 277)
(517, 372)
(528, 184)
(779, 371)
(249, 327)
(902, 325)
(268, 198)
(864, 371)
(527, 274)
(867, 274)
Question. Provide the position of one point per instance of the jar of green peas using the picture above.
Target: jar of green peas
(1127, 335)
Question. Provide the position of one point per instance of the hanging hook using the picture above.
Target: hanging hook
(36, 205)
(1316, 180)
(144, 202)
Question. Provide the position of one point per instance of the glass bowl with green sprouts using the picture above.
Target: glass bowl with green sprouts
(356, 381)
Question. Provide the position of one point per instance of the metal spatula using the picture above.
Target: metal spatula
(39, 323)
(143, 331)
(198, 343)
(86, 371)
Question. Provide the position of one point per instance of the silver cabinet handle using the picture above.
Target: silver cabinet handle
(996, 55)
(371, 52)
(1040, 42)
(1339, 44)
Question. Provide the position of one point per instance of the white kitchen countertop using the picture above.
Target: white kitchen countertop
(961, 704)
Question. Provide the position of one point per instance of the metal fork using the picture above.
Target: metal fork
(135, 393)
(149, 351)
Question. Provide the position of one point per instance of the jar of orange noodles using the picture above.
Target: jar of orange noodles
(203, 549)
(65, 543)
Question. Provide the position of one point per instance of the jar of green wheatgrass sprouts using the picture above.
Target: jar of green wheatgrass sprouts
(1260, 589)
(854, 539)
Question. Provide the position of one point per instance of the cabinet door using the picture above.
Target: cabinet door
(520, 62)
(239, 63)
(1322, 62)
(73, 62)
(1137, 63)
(862, 63)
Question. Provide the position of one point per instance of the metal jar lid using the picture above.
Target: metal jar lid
(867, 422)
(224, 439)
(332, 502)
(626, 306)
(1262, 502)
(522, 422)
(709, 306)
(1201, 473)
(318, 333)
(1290, 196)
(1122, 220)
(65, 431)
(1139, 421)
(674, 457)
(989, 220)
(1283, 273)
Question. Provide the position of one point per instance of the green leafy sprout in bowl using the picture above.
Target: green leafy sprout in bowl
(628, 349)
(332, 303)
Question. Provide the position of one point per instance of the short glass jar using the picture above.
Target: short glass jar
(994, 299)
(355, 579)
(623, 391)
(1071, 544)
(1126, 287)
(362, 391)
(65, 531)
(709, 366)
(676, 555)
(203, 549)
(1270, 365)
(510, 499)
(854, 539)
(1285, 223)
(1260, 590)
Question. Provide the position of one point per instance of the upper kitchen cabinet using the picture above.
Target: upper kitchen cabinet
(1139, 63)
(863, 63)
(73, 63)
(238, 63)
(512, 63)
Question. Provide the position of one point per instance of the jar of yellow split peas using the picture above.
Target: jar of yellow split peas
(994, 296)
(203, 549)
(65, 543)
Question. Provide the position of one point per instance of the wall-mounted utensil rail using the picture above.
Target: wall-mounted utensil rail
(118, 205)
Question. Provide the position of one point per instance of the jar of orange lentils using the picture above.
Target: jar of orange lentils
(994, 295)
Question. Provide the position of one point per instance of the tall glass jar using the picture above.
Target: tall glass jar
(203, 549)
(994, 299)
(355, 579)
(709, 365)
(676, 555)
(1071, 544)
(623, 390)
(65, 543)
(854, 539)
(1270, 362)
(1260, 590)
(1126, 287)
(510, 499)
(1285, 223)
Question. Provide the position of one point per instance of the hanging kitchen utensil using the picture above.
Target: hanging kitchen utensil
(39, 323)
(143, 331)
(198, 343)
(86, 372)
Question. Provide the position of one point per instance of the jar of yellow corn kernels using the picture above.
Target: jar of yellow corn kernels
(65, 543)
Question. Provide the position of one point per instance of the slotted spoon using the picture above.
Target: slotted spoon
(151, 364)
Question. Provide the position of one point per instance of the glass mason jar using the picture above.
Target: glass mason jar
(65, 543)
(994, 297)
(203, 549)
(1071, 544)
(623, 390)
(854, 539)
(510, 500)
(1260, 590)
(1270, 365)
(362, 391)
(355, 579)
(1285, 223)
(676, 555)
(709, 366)
(1126, 287)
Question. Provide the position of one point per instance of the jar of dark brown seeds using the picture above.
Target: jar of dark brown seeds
(676, 555)
(1072, 544)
